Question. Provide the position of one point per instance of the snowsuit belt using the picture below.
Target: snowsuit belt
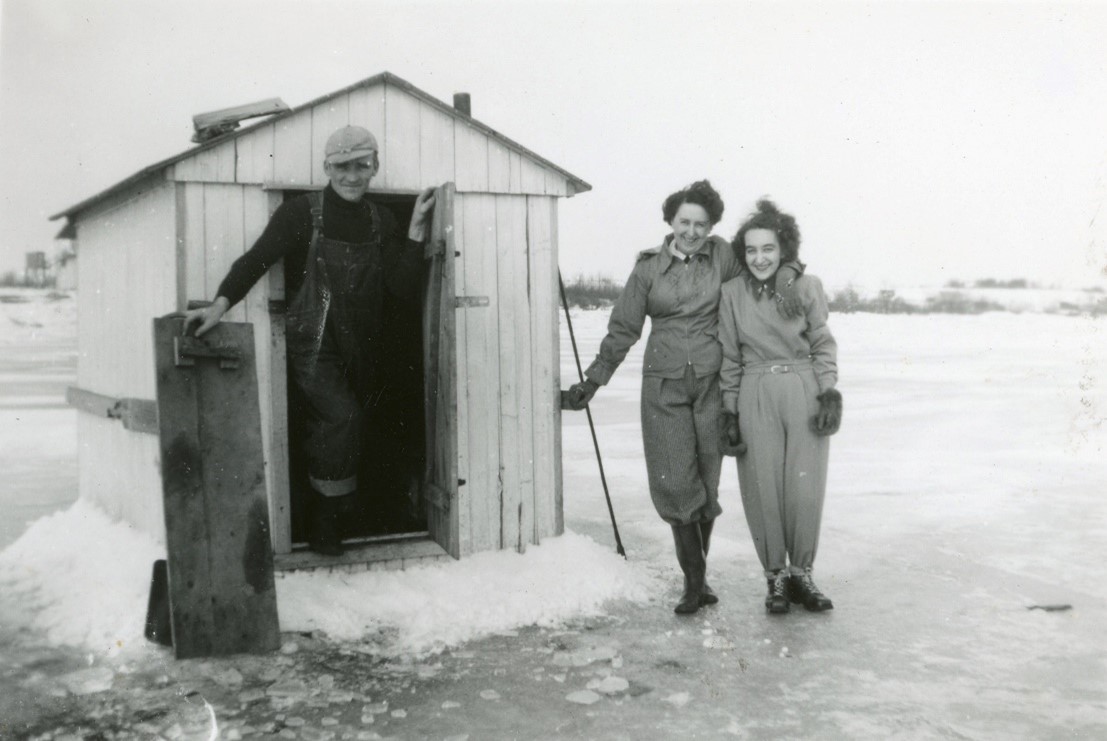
(777, 366)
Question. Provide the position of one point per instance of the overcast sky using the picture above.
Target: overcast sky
(915, 142)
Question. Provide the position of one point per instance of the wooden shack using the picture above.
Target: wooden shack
(487, 336)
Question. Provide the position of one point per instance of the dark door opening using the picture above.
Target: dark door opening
(389, 501)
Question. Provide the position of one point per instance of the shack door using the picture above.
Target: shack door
(440, 483)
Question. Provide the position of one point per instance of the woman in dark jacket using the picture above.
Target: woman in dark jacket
(677, 286)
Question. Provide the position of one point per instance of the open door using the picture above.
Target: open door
(440, 481)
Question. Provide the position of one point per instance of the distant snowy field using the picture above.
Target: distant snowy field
(972, 447)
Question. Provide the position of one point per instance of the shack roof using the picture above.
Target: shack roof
(578, 184)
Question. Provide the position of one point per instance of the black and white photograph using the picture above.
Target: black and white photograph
(553, 369)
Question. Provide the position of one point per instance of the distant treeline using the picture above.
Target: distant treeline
(592, 292)
(13, 279)
(952, 301)
(599, 291)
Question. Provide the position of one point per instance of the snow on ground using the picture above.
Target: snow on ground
(971, 458)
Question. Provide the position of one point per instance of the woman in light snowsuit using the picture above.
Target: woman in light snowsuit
(677, 285)
(778, 380)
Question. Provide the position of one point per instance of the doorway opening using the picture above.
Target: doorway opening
(388, 504)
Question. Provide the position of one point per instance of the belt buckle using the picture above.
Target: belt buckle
(779, 369)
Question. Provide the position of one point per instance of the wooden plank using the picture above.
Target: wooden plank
(456, 230)
(223, 238)
(137, 415)
(533, 177)
(277, 472)
(545, 362)
(499, 168)
(255, 155)
(436, 146)
(470, 159)
(514, 172)
(215, 165)
(401, 552)
(195, 265)
(400, 162)
(186, 514)
(553, 342)
(482, 370)
(222, 594)
(326, 118)
(367, 110)
(292, 164)
(517, 444)
(556, 184)
(257, 205)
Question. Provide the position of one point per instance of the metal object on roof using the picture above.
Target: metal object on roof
(217, 123)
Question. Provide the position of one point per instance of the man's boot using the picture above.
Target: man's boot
(323, 537)
(689, 549)
(709, 596)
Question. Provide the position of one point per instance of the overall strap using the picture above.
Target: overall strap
(315, 200)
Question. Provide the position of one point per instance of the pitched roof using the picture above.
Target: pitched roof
(384, 77)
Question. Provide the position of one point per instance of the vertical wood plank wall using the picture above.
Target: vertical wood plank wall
(509, 380)
(128, 275)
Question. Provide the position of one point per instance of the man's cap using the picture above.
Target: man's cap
(350, 143)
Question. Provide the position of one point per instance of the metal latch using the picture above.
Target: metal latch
(187, 349)
(464, 302)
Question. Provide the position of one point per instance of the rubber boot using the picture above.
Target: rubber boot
(709, 596)
(323, 537)
(689, 549)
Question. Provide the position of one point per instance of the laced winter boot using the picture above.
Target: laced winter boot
(689, 548)
(776, 602)
(803, 591)
(709, 596)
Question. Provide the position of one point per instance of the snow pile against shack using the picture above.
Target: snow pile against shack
(82, 580)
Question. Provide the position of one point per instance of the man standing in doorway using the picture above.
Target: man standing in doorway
(342, 252)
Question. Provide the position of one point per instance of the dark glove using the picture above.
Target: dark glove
(579, 394)
(829, 417)
(730, 440)
(788, 301)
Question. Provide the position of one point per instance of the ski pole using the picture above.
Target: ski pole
(591, 425)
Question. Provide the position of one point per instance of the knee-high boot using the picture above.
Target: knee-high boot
(689, 549)
(709, 596)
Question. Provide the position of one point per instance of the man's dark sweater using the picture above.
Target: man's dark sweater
(288, 236)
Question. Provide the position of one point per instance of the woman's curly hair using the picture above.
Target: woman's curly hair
(768, 216)
(699, 193)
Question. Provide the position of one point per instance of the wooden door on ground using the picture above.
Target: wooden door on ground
(221, 588)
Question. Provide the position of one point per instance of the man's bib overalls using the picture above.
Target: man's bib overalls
(333, 335)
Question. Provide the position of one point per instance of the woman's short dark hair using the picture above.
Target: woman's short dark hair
(768, 216)
(699, 193)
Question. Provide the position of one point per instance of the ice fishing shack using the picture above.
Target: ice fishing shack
(471, 458)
